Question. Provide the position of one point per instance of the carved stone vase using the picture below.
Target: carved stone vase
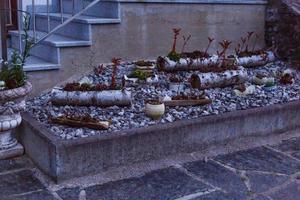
(12, 103)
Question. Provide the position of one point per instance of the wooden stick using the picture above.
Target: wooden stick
(196, 102)
(101, 125)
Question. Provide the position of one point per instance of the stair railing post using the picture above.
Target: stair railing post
(20, 21)
(34, 20)
(3, 7)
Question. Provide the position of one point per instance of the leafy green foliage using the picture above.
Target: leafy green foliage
(139, 74)
(12, 72)
(174, 56)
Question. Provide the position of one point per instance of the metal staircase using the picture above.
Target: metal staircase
(61, 24)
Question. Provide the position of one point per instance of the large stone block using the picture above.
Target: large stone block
(65, 159)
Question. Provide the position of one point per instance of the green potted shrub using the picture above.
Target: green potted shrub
(14, 89)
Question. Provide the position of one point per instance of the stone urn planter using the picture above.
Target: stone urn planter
(12, 103)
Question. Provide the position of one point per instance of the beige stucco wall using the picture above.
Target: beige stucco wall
(145, 32)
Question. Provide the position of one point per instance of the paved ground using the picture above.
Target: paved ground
(263, 173)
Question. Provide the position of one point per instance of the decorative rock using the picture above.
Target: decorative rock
(123, 118)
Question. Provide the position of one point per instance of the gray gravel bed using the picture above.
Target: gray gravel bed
(122, 118)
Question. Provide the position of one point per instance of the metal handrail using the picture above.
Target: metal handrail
(67, 21)
(19, 26)
(49, 31)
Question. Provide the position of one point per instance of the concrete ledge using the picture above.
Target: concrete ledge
(254, 2)
(65, 159)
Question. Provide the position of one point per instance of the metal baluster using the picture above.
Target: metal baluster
(61, 11)
(33, 20)
(67, 21)
(10, 12)
(3, 42)
(48, 16)
(73, 7)
(20, 20)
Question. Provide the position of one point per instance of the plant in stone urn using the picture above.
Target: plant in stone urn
(12, 96)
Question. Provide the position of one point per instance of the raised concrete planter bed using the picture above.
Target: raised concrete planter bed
(64, 159)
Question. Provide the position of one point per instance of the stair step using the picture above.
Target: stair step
(56, 40)
(42, 50)
(105, 9)
(87, 19)
(74, 29)
(34, 63)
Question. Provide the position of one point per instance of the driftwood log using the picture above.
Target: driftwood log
(256, 60)
(223, 79)
(196, 102)
(186, 64)
(91, 98)
(101, 125)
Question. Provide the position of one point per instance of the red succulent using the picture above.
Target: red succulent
(176, 32)
(116, 62)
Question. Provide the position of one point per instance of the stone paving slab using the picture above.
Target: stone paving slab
(37, 195)
(289, 192)
(164, 184)
(260, 173)
(263, 182)
(18, 183)
(289, 146)
(219, 176)
(261, 159)
(14, 164)
(218, 195)
(296, 155)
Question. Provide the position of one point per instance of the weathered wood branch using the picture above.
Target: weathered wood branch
(186, 64)
(92, 98)
(257, 60)
(223, 79)
(101, 125)
(197, 102)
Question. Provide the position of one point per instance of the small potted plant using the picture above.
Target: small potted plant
(175, 84)
(269, 86)
(261, 79)
(135, 77)
(287, 77)
(242, 90)
(154, 109)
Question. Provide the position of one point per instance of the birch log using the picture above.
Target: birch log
(185, 64)
(256, 60)
(92, 98)
(223, 79)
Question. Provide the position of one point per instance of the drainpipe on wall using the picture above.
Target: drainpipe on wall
(3, 44)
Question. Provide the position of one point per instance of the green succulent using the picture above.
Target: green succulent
(12, 73)
(174, 56)
(139, 74)
(269, 84)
